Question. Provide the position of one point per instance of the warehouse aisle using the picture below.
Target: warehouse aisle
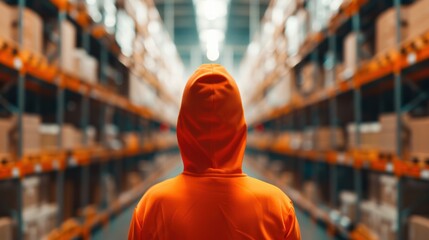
(118, 227)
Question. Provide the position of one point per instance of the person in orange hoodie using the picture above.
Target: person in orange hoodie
(213, 198)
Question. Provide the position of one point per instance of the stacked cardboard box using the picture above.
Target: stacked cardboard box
(87, 66)
(380, 219)
(418, 228)
(32, 30)
(418, 138)
(71, 137)
(350, 55)
(6, 228)
(386, 29)
(5, 126)
(68, 46)
(308, 139)
(417, 18)
(388, 133)
(30, 134)
(369, 136)
(6, 22)
(324, 137)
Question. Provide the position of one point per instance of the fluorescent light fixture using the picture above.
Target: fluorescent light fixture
(213, 49)
(212, 9)
(211, 23)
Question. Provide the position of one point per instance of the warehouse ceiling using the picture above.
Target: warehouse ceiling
(184, 27)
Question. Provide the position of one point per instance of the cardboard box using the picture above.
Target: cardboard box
(30, 135)
(388, 133)
(324, 137)
(68, 45)
(417, 18)
(418, 136)
(6, 22)
(418, 228)
(350, 55)
(386, 29)
(6, 228)
(31, 192)
(5, 128)
(32, 30)
(87, 65)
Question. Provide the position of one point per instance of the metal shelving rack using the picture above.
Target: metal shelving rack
(351, 18)
(127, 116)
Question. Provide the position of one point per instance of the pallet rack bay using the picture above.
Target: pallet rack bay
(392, 81)
(74, 179)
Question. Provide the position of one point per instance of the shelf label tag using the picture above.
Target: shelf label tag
(15, 172)
(389, 167)
(424, 174)
(38, 168)
(411, 58)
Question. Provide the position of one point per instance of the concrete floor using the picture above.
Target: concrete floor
(118, 228)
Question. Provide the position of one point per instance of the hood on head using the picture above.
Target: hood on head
(211, 129)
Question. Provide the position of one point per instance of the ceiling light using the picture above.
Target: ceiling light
(212, 9)
(213, 55)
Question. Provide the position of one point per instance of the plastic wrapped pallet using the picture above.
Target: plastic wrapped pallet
(31, 218)
(348, 204)
(48, 214)
(418, 228)
(6, 22)
(31, 192)
(387, 226)
(417, 18)
(388, 190)
(6, 228)
(32, 30)
(386, 29)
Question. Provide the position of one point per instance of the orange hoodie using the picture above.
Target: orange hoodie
(212, 198)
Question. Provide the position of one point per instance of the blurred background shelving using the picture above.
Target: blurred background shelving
(335, 96)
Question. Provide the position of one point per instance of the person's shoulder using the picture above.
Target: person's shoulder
(161, 188)
(267, 190)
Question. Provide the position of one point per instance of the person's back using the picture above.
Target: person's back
(212, 198)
